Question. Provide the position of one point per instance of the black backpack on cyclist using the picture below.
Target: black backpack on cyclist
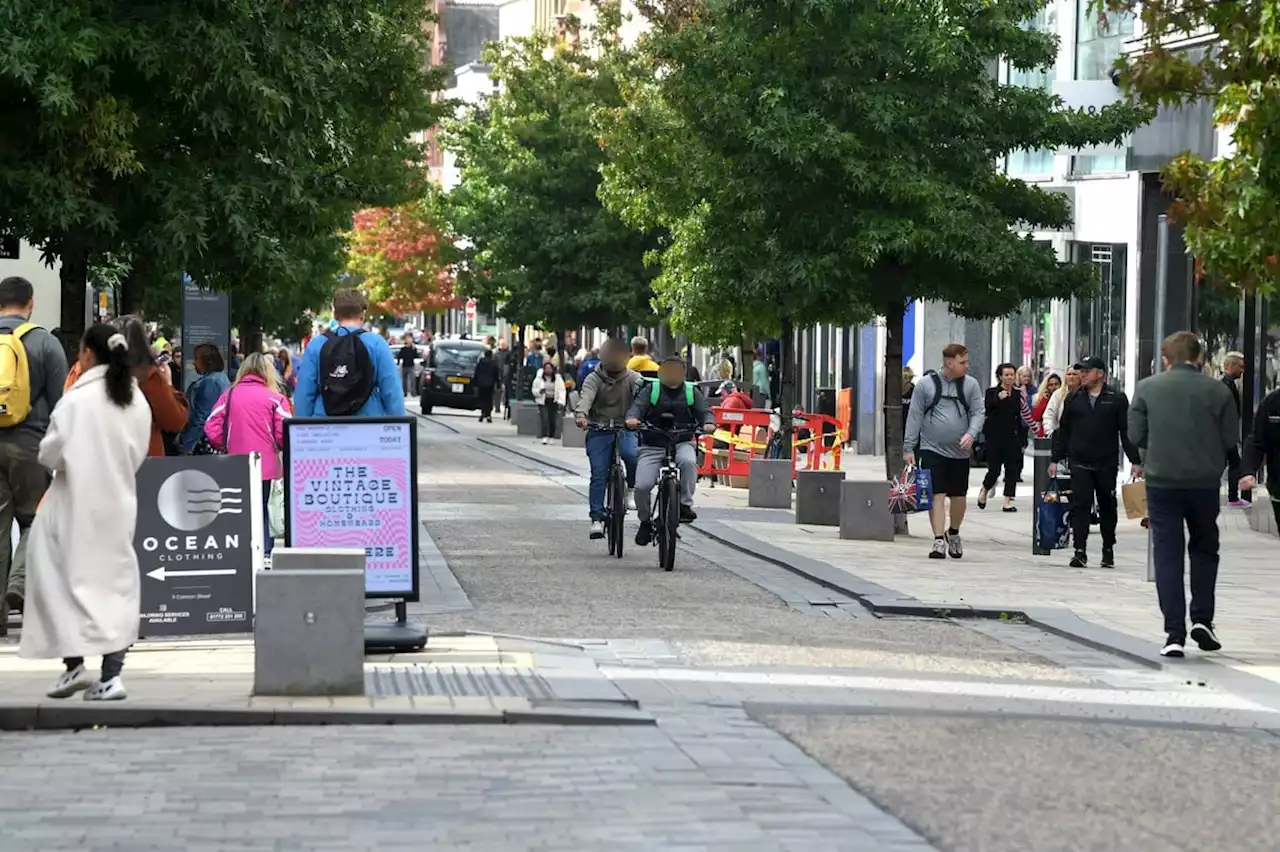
(347, 374)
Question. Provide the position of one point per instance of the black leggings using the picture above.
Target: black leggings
(549, 420)
(1003, 455)
(112, 664)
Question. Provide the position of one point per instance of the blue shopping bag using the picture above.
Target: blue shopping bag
(911, 491)
(1053, 518)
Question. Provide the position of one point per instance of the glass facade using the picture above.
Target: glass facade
(1098, 322)
(1099, 42)
(1034, 163)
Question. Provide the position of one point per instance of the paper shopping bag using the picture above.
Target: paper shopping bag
(1134, 495)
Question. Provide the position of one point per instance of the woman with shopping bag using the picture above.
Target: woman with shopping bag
(249, 418)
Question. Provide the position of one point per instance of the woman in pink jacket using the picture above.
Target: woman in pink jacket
(249, 418)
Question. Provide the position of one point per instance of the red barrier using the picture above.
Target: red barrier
(740, 438)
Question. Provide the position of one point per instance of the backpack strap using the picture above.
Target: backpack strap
(655, 388)
(688, 394)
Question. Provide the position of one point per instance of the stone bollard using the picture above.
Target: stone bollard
(526, 415)
(818, 497)
(864, 511)
(769, 484)
(571, 435)
(309, 632)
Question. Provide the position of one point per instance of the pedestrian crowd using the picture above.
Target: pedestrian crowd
(74, 435)
(1179, 435)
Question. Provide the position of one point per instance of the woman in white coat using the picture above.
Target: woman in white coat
(551, 395)
(83, 592)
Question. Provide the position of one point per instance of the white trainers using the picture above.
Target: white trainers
(111, 690)
(546, 440)
(597, 529)
(631, 499)
(955, 547)
(70, 683)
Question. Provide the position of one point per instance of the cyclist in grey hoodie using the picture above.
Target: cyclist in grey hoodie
(606, 395)
(946, 417)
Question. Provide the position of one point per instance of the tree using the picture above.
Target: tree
(401, 257)
(231, 141)
(539, 240)
(1230, 206)
(823, 162)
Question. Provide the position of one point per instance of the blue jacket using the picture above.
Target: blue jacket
(201, 396)
(588, 366)
(387, 399)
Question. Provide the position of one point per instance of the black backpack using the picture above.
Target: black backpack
(346, 373)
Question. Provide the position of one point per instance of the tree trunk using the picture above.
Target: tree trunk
(131, 290)
(893, 428)
(73, 277)
(251, 332)
(787, 387)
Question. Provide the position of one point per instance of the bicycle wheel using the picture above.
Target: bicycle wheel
(671, 521)
(610, 509)
(618, 515)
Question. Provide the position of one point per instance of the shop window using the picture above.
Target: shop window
(1099, 40)
(1098, 328)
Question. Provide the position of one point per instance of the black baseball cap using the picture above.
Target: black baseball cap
(1092, 363)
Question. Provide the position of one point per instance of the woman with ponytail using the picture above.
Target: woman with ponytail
(83, 594)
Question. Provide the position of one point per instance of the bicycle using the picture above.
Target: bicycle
(615, 491)
(667, 522)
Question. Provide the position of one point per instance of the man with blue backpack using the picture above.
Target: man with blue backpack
(669, 394)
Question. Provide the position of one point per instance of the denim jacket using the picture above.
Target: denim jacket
(201, 396)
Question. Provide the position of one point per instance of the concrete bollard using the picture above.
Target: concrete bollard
(526, 416)
(818, 497)
(571, 435)
(864, 511)
(309, 633)
(316, 558)
(769, 484)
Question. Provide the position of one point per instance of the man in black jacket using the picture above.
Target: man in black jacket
(1263, 446)
(1232, 370)
(1092, 429)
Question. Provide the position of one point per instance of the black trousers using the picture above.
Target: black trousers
(1088, 486)
(486, 401)
(1196, 510)
(1006, 455)
(112, 664)
(549, 419)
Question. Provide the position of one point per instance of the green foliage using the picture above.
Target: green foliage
(1230, 206)
(827, 161)
(230, 140)
(540, 242)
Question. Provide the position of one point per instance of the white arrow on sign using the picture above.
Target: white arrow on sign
(160, 573)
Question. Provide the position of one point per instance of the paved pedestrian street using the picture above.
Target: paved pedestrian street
(771, 712)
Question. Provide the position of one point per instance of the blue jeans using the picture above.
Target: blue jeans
(600, 452)
(1169, 509)
(267, 541)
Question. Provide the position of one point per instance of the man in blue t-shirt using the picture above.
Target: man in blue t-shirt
(387, 396)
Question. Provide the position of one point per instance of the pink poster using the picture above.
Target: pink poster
(351, 485)
(1027, 339)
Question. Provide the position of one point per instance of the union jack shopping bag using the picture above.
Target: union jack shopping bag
(911, 491)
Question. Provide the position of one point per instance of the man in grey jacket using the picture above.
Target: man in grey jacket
(946, 416)
(22, 479)
(607, 393)
(1186, 427)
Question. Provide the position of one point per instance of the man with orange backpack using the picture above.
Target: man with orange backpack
(33, 368)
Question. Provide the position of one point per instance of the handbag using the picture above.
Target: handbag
(911, 491)
(203, 446)
(1053, 517)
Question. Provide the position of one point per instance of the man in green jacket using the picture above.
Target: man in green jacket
(1186, 426)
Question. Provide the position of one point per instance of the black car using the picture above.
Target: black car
(449, 377)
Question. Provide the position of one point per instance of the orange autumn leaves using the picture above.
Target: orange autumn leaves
(397, 255)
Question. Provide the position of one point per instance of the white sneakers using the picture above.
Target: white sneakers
(69, 683)
(110, 690)
(631, 499)
(597, 530)
(546, 440)
(79, 680)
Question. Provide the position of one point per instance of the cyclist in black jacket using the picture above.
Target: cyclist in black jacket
(1093, 428)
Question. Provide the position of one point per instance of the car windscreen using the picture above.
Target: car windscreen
(457, 362)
